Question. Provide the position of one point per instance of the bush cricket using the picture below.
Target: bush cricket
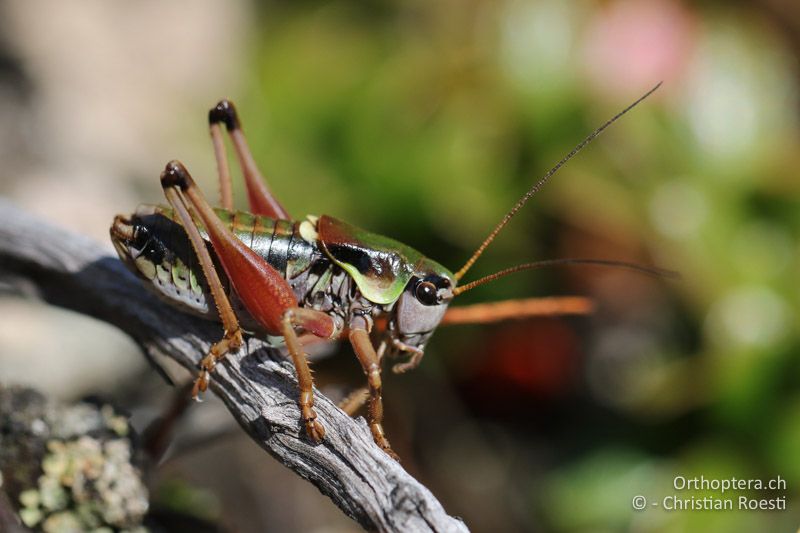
(268, 274)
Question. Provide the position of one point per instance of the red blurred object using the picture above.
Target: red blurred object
(524, 362)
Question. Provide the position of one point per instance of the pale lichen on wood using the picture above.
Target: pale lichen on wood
(69, 467)
(257, 385)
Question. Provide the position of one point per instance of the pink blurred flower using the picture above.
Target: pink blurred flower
(632, 44)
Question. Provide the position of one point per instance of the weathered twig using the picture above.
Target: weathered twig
(257, 385)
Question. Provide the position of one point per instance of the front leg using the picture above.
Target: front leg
(413, 361)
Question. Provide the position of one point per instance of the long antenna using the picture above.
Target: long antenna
(538, 185)
(650, 271)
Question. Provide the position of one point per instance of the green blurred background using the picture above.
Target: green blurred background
(426, 121)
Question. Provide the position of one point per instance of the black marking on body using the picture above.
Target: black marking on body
(350, 255)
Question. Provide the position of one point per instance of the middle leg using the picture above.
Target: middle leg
(362, 345)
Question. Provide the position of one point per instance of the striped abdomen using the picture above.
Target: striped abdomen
(168, 261)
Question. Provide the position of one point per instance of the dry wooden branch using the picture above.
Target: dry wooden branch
(257, 385)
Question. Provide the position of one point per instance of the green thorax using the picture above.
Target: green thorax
(380, 266)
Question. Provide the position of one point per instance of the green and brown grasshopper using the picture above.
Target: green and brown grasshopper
(320, 277)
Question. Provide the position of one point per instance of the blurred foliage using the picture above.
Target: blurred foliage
(427, 120)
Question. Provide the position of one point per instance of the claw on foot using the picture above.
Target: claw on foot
(315, 430)
(200, 385)
(391, 453)
(382, 442)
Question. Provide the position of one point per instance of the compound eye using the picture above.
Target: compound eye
(140, 237)
(426, 293)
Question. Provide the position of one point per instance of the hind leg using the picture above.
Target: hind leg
(232, 338)
(267, 296)
(262, 202)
